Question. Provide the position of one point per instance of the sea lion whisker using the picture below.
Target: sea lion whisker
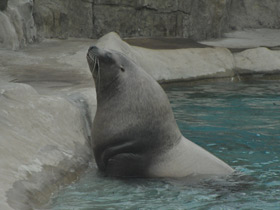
(92, 56)
(98, 73)
(94, 64)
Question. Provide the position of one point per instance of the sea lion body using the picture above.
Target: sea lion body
(134, 132)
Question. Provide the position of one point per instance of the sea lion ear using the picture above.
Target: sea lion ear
(122, 69)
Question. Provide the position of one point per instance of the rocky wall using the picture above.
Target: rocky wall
(3, 4)
(167, 18)
(254, 14)
(17, 27)
(63, 19)
(25, 21)
(196, 19)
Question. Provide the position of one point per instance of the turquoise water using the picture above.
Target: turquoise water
(238, 122)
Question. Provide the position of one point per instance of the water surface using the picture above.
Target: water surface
(238, 122)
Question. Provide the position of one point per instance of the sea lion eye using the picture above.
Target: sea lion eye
(108, 56)
(122, 69)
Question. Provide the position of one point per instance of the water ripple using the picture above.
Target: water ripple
(238, 122)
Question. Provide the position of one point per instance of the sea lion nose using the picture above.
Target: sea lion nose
(92, 48)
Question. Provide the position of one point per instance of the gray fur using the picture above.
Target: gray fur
(134, 125)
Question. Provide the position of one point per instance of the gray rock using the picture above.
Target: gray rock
(254, 14)
(63, 19)
(199, 19)
(191, 19)
(17, 27)
(44, 144)
(44, 123)
(195, 19)
(3, 4)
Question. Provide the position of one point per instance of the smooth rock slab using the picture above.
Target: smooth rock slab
(43, 144)
(176, 64)
(258, 60)
(196, 63)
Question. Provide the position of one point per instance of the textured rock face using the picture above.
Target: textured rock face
(63, 19)
(195, 19)
(254, 14)
(3, 4)
(182, 18)
(17, 26)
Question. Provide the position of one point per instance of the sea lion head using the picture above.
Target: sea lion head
(112, 61)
